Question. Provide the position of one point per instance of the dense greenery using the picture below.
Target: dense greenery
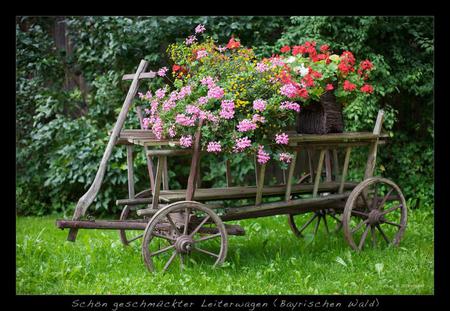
(269, 259)
(68, 95)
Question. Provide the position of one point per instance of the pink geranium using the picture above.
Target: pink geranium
(290, 106)
(186, 141)
(259, 105)
(285, 157)
(282, 139)
(262, 156)
(162, 72)
(227, 111)
(246, 125)
(214, 146)
(242, 144)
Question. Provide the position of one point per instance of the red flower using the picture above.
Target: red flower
(345, 68)
(366, 65)
(329, 87)
(316, 74)
(348, 57)
(298, 49)
(308, 80)
(285, 49)
(233, 44)
(175, 68)
(367, 88)
(302, 93)
(348, 86)
(324, 48)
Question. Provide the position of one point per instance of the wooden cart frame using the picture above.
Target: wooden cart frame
(185, 219)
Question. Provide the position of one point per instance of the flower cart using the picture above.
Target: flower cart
(188, 226)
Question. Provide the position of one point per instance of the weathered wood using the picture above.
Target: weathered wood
(130, 134)
(318, 172)
(102, 224)
(335, 164)
(199, 175)
(311, 168)
(168, 152)
(290, 176)
(157, 189)
(192, 180)
(165, 174)
(328, 166)
(260, 186)
(296, 206)
(86, 200)
(228, 173)
(130, 172)
(371, 159)
(149, 159)
(144, 75)
(345, 169)
(333, 137)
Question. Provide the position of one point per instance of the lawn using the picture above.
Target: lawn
(269, 259)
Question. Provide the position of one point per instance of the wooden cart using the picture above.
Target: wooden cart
(191, 223)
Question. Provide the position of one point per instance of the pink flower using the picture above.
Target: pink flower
(169, 104)
(208, 81)
(192, 109)
(214, 146)
(259, 105)
(285, 157)
(172, 131)
(215, 92)
(261, 67)
(227, 111)
(141, 96)
(186, 90)
(262, 156)
(276, 61)
(201, 54)
(183, 120)
(203, 100)
(157, 128)
(242, 144)
(162, 72)
(146, 122)
(190, 40)
(221, 49)
(246, 125)
(154, 107)
(186, 141)
(160, 92)
(148, 95)
(208, 116)
(258, 118)
(282, 139)
(289, 90)
(290, 106)
(200, 28)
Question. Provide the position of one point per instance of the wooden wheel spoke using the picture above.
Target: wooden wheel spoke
(325, 223)
(162, 236)
(307, 223)
(206, 252)
(199, 226)
(186, 220)
(391, 223)
(173, 224)
(390, 210)
(316, 228)
(135, 238)
(174, 254)
(365, 201)
(375, 198)
(363, 237)
(209, 237)
(383, 234)
(383, 201)
(360, 225)
(162, 250)
(374, 238)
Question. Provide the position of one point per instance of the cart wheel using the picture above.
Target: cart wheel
(183, 230)
(324, 215)
(130, 213)
(376, 205)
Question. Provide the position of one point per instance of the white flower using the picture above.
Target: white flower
(302, 70)
(290, 59)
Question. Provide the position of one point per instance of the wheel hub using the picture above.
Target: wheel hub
(374, 217)
(184, 244)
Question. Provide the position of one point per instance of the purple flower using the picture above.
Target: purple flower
(215, 92)
(285, 157)
(214, 146)
(259, 105)
(289, 90)
(186, 141)
(200, 28)
(162, 72)
(203, 100)
(242, 144)
(262, 156)
(221, 49)
(282, 139)
(190, 40)
(261, 67)
(246, 125)
(227, 111)
(201, 54)
(208, 81)
(160, 92)
(290, 106)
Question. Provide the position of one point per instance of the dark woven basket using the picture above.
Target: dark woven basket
(321, 117)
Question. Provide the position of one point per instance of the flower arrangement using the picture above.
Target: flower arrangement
(310, 71)
(236, 98)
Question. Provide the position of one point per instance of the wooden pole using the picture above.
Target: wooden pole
(371, 159)
(130, 171)
(192, 180)
(290, 176)
(149, 159)
(318, 172)
(86, 200)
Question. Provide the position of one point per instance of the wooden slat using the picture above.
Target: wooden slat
(130, 171)
(318, 172)
(371, 159)
(157, 189)
(259, 190)
(290, 176)
(149, 159)
(328, 165)
(192, 180)
(335, 164)
(345, 169)
(228, 173)
(165, 174)
(144, 75)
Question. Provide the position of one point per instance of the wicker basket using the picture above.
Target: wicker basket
(321, 117)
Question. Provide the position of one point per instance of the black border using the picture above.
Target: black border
(383, 302)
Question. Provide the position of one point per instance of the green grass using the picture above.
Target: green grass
(269, 259)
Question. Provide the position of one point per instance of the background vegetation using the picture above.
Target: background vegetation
(69, 92)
